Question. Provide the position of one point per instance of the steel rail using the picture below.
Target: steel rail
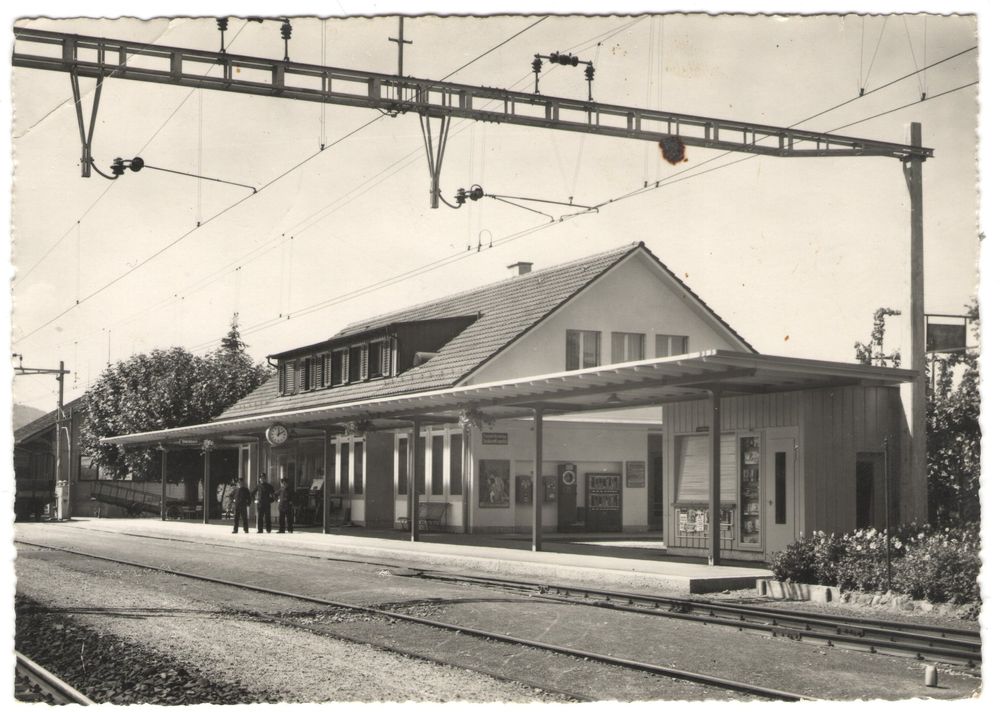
(946, 645)
(937, 633)
(58, 689)
(709, 680)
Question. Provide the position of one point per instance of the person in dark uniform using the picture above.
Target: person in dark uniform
(241, 507)
(285, 494)
(263, 496)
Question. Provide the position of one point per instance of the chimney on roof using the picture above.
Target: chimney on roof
(519, 268)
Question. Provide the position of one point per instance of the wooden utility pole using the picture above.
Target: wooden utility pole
(914, 489)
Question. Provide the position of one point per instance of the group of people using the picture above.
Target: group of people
(262, 497)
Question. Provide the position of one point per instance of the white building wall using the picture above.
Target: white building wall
(455, 516)
(592, 447)
(635, 296)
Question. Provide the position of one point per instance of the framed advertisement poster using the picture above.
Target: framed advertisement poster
(494, 483)
(635, 473)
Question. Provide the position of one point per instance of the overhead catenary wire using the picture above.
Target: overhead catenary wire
(498, 242)
(878, 44)
(679, 178)
(909, 40)
(19, 278)
(686, 174)
(238, 202)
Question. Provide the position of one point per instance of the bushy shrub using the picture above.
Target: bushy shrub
(862, 565)
(941, 567)
(796, 563)
(935, 566)
(830, 550)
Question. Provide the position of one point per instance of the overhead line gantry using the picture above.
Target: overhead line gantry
(100, 58)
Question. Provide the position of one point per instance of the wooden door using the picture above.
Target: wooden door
(780, 490)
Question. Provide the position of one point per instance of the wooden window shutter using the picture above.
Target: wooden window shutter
(317, 375)
(327, 369)
(281, 379)
(387, 357)
(344, 365)
(289, 377)
(364, 363)
(303, 370)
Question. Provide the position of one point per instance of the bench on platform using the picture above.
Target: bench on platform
(429, 514)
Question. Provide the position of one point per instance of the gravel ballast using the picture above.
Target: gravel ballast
(117, 651)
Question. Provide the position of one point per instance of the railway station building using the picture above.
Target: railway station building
(599, 395)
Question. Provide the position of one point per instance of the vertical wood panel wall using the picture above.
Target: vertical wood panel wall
(740, 413)
(835, 424)
(839, 423)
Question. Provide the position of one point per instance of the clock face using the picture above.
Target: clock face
(277, 434)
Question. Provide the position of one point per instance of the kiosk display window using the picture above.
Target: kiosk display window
(750, 506)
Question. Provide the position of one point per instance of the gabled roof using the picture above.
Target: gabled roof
(507, 309)
(41, 424)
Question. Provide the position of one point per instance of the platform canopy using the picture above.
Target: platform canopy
(644, 383)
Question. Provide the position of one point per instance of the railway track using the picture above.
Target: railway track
(650, 668)
(911, 640)
(919, 641)
(33, 683)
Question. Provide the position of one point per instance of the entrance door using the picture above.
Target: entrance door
(780, 464)
(604, 502)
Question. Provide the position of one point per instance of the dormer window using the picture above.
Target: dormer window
(379, 358)
(306, 374)
(357, 368)
(374, 353)
(338, 367)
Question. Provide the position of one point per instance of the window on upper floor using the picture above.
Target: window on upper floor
(627, 347)
(583, 349)
(671, 345)
(357, 367)
(357, 362)
(306, 374)
(286, 378)
(378, 361)
(338, 367)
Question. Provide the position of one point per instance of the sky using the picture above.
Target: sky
(795, 253)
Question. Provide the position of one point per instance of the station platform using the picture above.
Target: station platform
(628, 562)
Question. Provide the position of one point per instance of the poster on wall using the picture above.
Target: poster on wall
(523, 489)
(699, 520)
(635, 473)
(550, 484)
(494, 483)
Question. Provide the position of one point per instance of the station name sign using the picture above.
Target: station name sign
(494, 438)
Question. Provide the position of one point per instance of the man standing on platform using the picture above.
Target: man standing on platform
(285, 494)
(241, 507)
(263, 495)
